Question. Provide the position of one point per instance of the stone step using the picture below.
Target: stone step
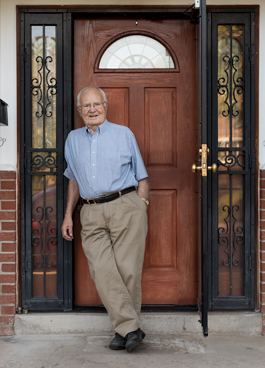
(223, 323)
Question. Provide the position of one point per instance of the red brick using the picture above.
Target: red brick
(7, 257)
(262, 298)
(7, 331)
(262, 245)
(262, 215)
(8, 205)
(262, 288)
(6, 309)
(7, 299)
(8, 247)
(8, 267)
(7, 279)
(7, 236)
(8, 289)
(262, 194)
(262, 308)
(7, 175)
(262, 235)
(10, 225)
(262, 225)
(7, 195)
(262, 174)
(5, 215)
(262, 204)
(262, 276)
(7, 320)
(262, 183)
(7, 185)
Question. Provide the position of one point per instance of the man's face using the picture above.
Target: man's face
(92, 116)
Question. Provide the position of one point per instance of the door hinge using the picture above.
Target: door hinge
(24, 265)
(250, 263)
(25, 55)
(251, 53)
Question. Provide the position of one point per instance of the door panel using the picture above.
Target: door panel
(156, 106)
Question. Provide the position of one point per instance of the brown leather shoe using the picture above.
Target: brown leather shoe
(133, 339)
(118, 342)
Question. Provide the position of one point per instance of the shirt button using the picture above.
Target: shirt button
(93, 140)
(93, 177)
(93, 164)
(93, 151)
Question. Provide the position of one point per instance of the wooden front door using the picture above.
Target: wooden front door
(159, 106)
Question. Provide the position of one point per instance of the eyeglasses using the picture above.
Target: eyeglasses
(95, 105)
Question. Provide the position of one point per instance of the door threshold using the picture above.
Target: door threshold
(145, 308)
(221, 323)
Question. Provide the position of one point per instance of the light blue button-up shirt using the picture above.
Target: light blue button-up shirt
(107, 161)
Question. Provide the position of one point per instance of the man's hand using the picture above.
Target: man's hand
(72, 198)
(67, 229)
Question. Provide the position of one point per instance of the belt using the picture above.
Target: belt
(108, 198)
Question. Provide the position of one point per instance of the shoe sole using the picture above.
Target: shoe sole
(117, 347)
(133, 345)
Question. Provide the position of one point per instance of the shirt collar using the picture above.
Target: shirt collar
(101, 128)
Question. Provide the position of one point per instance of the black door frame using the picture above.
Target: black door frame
(68, 15)
(246, 17)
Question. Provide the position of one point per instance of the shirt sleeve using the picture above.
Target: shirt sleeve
(137, 161)
(68, 157)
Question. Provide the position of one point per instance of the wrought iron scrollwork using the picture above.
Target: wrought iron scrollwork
(50, 86)
(48, 161)
(229, 161)
(36, 86)
(52, 237)
(38, 237)
(223, 85)
(237, 237)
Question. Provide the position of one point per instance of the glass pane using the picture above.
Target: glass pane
(50, 86)
(133, 52)
(43, 86)
(36, 85)
(44, 236)
(37, 236)
(230, 235)
(230, 86)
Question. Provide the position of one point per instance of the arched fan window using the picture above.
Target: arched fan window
(136, 52)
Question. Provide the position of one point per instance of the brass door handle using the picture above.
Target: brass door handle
(213, 168)
(204, 152)
(195, 168)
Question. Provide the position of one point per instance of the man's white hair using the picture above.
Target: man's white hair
(84, 90)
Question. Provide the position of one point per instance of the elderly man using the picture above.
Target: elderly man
(104, 167)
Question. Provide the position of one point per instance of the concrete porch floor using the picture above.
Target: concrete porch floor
(157, 351)
(71, 340)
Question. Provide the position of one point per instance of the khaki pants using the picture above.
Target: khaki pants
(113, 238)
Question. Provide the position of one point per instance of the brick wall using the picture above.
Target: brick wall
(7, 251)
(262, 246)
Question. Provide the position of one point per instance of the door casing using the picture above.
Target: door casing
(68, 15)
